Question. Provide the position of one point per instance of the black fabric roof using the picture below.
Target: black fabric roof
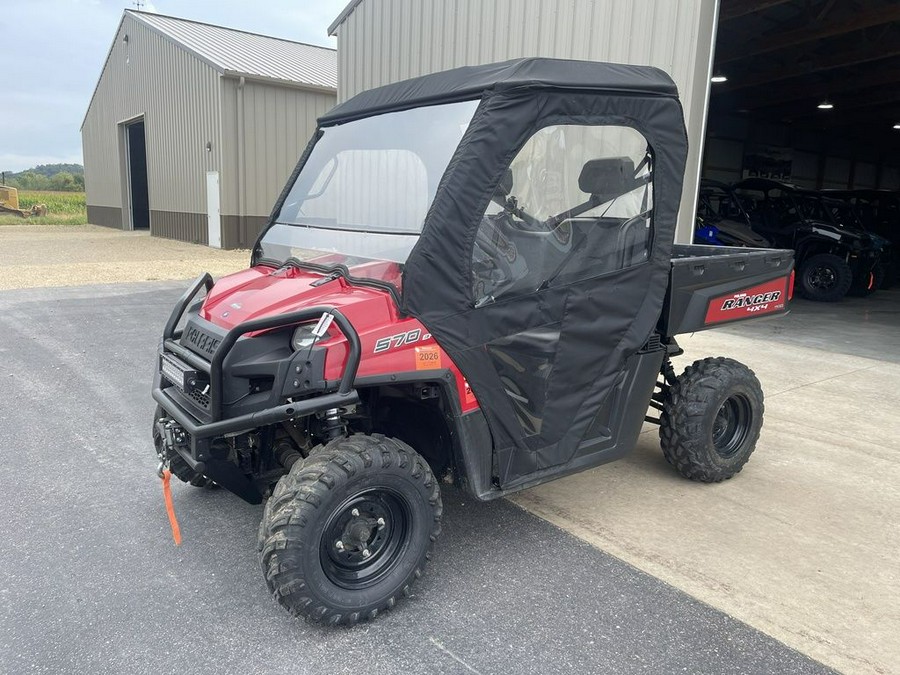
(470, 81)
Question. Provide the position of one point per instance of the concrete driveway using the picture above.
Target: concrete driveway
(804, 543)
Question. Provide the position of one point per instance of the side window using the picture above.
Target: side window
(576, 202)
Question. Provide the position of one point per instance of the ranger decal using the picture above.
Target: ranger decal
(767, 298)
(748, 300)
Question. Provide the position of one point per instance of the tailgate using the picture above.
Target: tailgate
(713, 285)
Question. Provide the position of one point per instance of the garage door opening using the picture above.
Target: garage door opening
(138, 193)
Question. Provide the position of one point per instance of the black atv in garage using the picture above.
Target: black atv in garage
(844, 214)
(831, 259)
(878, 213)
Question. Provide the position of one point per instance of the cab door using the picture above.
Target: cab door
(565, 279)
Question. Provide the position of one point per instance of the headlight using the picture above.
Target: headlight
(306, 334)
(303, 337)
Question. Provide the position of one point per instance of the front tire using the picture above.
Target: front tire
(349, 529)
(711, 419)
(824, 278)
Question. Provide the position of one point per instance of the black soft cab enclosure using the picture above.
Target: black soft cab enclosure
(545, 261)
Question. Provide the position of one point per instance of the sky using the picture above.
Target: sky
(52, 52)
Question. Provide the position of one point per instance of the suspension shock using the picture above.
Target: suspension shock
(334, 424)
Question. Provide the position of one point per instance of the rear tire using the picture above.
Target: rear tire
(711, 419)
(888, 274)
(824, 278)
(349, 529)
(179, 468)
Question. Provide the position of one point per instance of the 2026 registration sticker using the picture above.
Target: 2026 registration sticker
(428, 358)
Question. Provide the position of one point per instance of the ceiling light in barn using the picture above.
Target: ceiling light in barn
(897, 126)
(718, 78)
(825, 105)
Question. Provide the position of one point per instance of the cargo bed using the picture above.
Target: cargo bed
(713, 285)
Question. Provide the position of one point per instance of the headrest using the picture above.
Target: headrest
(610, 176)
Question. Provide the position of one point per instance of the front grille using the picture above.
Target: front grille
(199, 398)
(200, 340)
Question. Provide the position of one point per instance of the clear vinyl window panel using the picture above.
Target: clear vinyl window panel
(361, 198)
(576, 202)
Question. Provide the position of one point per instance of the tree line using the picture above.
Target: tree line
(55, 177)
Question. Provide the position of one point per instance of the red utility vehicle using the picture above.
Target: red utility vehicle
(469, 277)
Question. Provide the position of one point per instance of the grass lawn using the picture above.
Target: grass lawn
(63, 208)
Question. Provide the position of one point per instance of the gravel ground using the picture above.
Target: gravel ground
(35, 256)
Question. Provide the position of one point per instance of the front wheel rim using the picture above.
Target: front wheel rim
(365, 538)
(731, 425)
(822, 278)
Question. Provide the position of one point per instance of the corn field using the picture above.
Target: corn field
(63, 208)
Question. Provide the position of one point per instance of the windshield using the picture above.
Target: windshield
(813, 209)
(844, 213)
(717, 204)
(361, 197)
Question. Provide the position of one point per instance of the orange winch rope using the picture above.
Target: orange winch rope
(170, 507)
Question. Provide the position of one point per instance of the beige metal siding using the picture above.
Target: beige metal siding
(265, 130)
(190, 227)
(382, 41)
(178, 96)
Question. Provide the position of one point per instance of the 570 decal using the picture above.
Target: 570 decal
(400, 339)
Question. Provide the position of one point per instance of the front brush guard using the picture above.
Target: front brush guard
(197, 453)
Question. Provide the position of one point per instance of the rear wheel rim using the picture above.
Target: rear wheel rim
(731, 425)
(365, 538)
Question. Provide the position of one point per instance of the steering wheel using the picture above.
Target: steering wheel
(494, 269)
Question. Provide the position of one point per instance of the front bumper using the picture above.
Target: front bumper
(196, 451)
(863, 263)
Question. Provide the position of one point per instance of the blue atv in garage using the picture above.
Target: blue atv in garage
(721, 220)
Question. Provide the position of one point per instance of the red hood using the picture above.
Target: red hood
(261, 291)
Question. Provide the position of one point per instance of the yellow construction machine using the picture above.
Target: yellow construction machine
(9, 203)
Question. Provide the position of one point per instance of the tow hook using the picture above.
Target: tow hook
(171, 435)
